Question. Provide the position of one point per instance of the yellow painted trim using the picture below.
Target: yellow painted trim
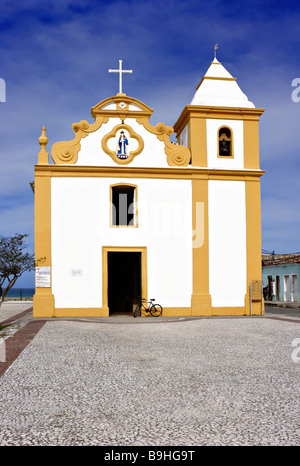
(201, 299)
(195, 117)
(43, 299)
(228, 311)
(167, 312)
(136, 172)
(177, 155)
(219, 79)
(208, 311)
(81, 312)
(144, 279)
(253, 241)
(214, 78)
(132, 154)
(43, 303)
(135, 205)
(231, 156)
(198, 142)
(43, 157)
(226, 113)
(66, 152)
(251, 145)
(120, 112)
(176, 311)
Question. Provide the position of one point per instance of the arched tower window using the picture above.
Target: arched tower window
(123, 205)
(225, 142)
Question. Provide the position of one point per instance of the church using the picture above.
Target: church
(123, 212)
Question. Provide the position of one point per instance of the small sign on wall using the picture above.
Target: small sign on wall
(256, 286)
(42, 277)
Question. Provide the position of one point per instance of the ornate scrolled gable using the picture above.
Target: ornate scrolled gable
(67, 151)
(122, 107)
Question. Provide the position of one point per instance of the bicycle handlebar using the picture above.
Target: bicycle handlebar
(146, 300)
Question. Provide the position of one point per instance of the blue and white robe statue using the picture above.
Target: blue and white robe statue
(122, 149)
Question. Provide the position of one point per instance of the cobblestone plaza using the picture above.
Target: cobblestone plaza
(175, 382)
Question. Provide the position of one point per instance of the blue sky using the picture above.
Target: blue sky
(55, 56)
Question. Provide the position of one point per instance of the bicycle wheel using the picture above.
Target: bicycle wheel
(156, 310)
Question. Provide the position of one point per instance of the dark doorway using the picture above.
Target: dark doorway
(277, 288)
(124, 280)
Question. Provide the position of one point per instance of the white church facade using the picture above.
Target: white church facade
(124, 213)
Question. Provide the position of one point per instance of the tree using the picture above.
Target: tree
(13, 261)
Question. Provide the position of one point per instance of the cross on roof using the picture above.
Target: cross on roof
(215, 50)
(120, 71)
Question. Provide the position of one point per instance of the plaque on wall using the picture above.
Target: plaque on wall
(42, 277)
(256, 290)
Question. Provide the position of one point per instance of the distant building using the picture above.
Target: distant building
(280, 274)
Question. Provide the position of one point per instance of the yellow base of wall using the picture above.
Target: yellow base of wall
(201, 304)
(176, 311)
(43, 307)
(212, 311)
(82, 312)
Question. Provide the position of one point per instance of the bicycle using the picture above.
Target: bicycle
(154, 309)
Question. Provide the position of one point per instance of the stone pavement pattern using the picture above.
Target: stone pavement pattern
(9, 309)
(202, 382)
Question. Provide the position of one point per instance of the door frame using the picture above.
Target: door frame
(286, 288)
(294, 287)
(144, 277)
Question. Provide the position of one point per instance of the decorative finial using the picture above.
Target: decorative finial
(43, 154)
(120, 71)
(215, 51)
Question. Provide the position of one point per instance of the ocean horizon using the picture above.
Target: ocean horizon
(20, 293)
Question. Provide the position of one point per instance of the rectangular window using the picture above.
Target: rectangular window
(123, 205)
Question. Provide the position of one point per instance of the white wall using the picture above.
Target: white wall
(213, 161)
(80, 220)
(227, 243)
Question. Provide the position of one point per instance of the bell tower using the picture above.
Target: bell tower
(220, 127)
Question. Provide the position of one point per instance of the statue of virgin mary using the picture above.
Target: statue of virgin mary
(121, 148)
